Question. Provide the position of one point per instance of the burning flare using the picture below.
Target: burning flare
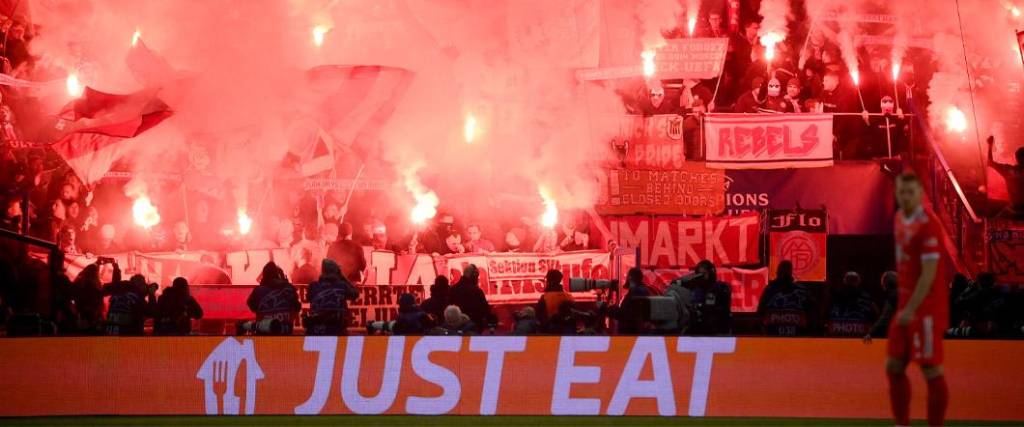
(144, 213)
(956, 121)
(648, 59)
(550, 216)
(896, 71)
(75, 87)
(769, 41)
(244, 222)
(691, 24)
(319, 32)
(135, 37)
(1015, 11)
(469, 129)
(855, 75)
(426, 200)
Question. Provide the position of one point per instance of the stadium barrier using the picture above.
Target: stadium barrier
(684, 376)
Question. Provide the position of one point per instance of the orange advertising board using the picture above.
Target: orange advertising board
(736, 377)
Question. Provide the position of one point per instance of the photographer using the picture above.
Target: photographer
(275, 303)
(786, 307)
(711, 314)
(87, 292)
(130, 304)
(328, 301)
(630, 313)
(467, 295)
(175, 310)
(412, 320)
(551, 303)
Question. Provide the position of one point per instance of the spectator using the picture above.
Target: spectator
(12, 215)
(476, 244)
(130, 304)
(548, 241)
(1014, 177)
(884, 131)
(774, 102)
(106, 242)
(434, 240)
(329, 234)
(526, 322)
(794, 98)
(412, 320)
(275, 299)
(467, 295)
(753, 100)
(630, 313)
(881, 326)
(332, 213)
(175, 310)
(712, 313)
(439, 299)
(713, 28)
(328, 301)
(514, 239)
(305, 272)
(457, 323)
(786, 307)
(16, 47)
(381, 242)
(453, 245)
(209, 272)
(66, 240)
(851, 312)
(348, 255)
(553, 298)
(182, 237)
(655, 103)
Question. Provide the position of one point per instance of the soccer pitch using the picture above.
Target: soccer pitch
(448, 421)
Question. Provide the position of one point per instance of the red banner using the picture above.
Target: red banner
(667, 242)
(799, 237)
(690, 190)
(761, 141)
(1006, 253)
(654, 142)
(486, 375)
(747, 285)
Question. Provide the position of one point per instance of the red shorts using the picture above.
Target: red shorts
(920, 341)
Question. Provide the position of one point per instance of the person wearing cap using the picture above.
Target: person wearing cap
(794, 98)
(348, 254)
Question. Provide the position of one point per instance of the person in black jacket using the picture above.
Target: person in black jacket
(130, 304)
(328, 301)
(175, 310)
(87, 292)
(630, 313)
(712, 299)
(348, 254)
(467, 295)
(274, 300)
(440, 299)
(412, 320)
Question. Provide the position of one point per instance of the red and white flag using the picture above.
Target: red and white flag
(98, 127)
(322, 158)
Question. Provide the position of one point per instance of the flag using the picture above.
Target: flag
(149, 68)
(1020, 43)
(98, 127)
(357, 102)
(322, 158)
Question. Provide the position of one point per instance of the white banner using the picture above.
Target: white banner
(752, 141)
(511, 277)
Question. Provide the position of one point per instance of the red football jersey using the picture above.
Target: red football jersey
(918, 239)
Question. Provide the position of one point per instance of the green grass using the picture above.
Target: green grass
(455, 421)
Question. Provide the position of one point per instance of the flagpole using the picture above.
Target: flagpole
(353, 189)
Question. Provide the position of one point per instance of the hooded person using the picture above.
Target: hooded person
(439, 298)
(889, 128)
(348, 254)
(467, 295)
(774, 101)
(412, 320)
(175, 310)
(655, 103)
(712, 298)
(275, 298)
(328, 301)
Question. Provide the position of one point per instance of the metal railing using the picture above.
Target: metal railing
(962, 223)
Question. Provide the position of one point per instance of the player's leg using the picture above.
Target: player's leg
(898, 351)
(938, 394)
(899, 390)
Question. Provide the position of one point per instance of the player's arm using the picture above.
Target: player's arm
(929, 266)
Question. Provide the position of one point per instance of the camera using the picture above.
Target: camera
(105, 260)
(660, 309)
(686, 279)
(380, 327)
(578, 284)
(259, 327)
